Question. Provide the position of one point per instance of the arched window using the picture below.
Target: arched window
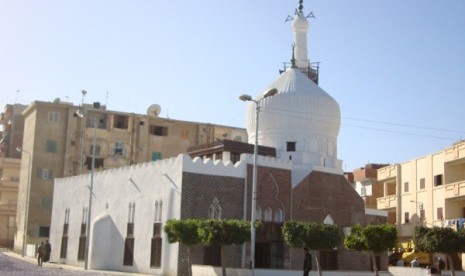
(278, 215)
(268, 214)
(258, 213)
(214, 210)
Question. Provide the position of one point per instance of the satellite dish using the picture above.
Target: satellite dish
(154, 110)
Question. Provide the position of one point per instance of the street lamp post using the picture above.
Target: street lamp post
(419, 206)
(91, 188)
(269, 93)
(28, 188)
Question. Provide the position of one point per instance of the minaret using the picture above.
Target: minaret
(300, 28)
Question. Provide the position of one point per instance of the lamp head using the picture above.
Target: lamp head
(78, 113)
(245, 97)
(270, 92)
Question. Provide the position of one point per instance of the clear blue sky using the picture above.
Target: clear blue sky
(396, 67)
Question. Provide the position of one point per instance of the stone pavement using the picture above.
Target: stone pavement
(13, 264)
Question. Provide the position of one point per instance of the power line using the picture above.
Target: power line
(335, 120)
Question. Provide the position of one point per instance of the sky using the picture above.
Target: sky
(396, 67)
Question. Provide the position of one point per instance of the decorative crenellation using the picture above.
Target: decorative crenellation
(267, 161)
(216, 167)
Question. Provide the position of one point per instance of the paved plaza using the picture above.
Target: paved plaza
(12, 264)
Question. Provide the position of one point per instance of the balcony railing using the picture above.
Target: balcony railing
(455, 189)
(387, 202)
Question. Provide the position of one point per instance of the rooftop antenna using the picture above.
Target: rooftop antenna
(17, 95)
(106, 100)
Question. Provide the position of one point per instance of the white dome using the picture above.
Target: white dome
(301, 113)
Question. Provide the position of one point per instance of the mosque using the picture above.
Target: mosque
(299, 177)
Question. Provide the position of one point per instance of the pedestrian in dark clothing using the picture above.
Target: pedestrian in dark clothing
(307, 262)
(48, 251)
(441, 265)
(41, 251)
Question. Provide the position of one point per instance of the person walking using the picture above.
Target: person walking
(41, 251)
(307, 262)
(48, 251)
(415, 262)
(441, 265)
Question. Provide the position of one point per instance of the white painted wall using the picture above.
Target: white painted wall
(114, 190)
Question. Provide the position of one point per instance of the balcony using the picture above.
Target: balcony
(8, 208)
(388, 172)
(387, 202)
(9, 183)
(454, 190)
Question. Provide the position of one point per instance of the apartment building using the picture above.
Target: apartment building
(429, 190)
(11, 137)
(364, 180)
(9, 181)
(60, 139)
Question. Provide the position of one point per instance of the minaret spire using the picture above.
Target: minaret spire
(300, 28)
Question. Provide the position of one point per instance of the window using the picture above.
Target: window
(290, 146)
(97, 150)
(215, 210)
(46, 203)
(439, 213)
(268, 215)
(406, 187)
(128, 258)
(51, 146)
(155, 254)
(53, 117)
(406, 217)
(438, 180)
(128, 251)
(422, 214)
(159, 130)
(82, 243)
(98, 162)
(64, 238)
(156, 156)
(82, 236)
(121, 122)
(422, 183)
(278, 216)
(363, 191)
(44, 231)
(258, 213)
(44, 174)
(119, 148)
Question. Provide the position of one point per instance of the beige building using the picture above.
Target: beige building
(59, 139)
(364, 180)
(11, 137)
(9, 181)
(428, 190)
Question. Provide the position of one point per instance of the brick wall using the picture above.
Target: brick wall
(321, 194)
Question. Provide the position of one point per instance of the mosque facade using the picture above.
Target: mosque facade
(299, 177)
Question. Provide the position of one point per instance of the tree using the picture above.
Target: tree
(185, 232)
(372, 238)
(315, 236)
(223, 233)
(440, 240)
